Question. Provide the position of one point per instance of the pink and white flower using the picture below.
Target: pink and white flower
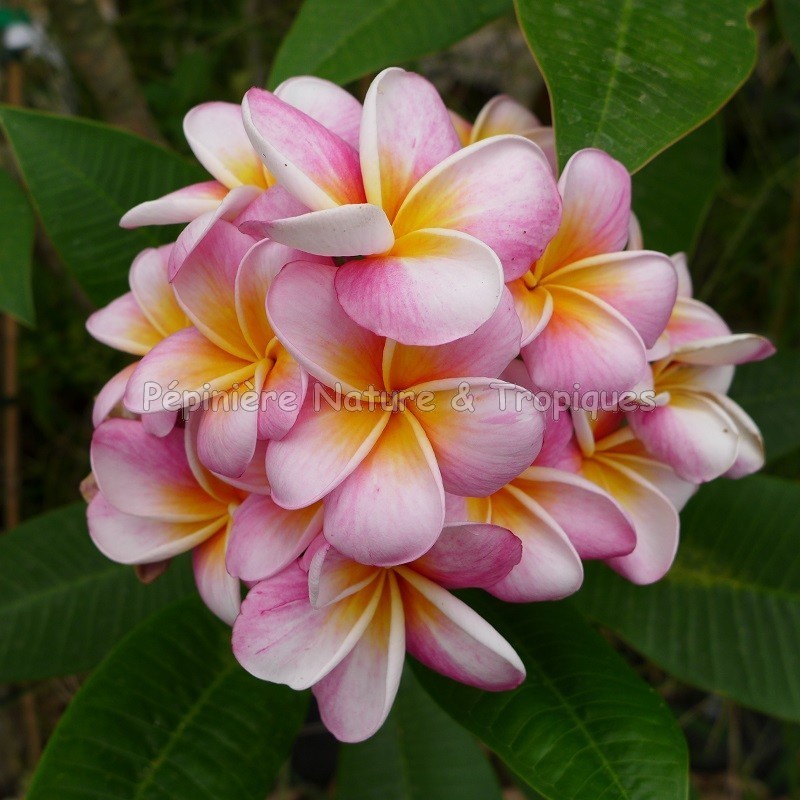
(343, 628)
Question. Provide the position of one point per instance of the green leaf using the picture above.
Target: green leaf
(726, 617)
(63, 604)
(418, 754)
(673, 193)
(344, 39)
(16, 248)
(170, 715)
(769, 391)
(82, 177)
(583, 725)
(633, 76)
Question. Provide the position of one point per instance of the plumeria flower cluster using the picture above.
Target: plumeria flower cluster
(363, 381)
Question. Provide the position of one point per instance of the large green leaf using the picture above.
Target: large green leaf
(16, 248)
(170, 715)
(63, 605)
(344, 39)
(770, 392)
(632, 76)
(727, 615)
(672, 194)
(418, 754)
(82, 177)
(583, 725)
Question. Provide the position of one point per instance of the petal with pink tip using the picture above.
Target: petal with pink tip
(356, 696)
(405, 131)
(640, 285)
(151, 287)
(318, 167)
(123, 326)
(750, 453)
(221, 489)
(691, 433)
(148, 476)
(692, 321)
(593, 521)
(585, 342)
(183, 362)
(217, 137)
(220, 591)
(502, 115)
(549, 568)
(596, 194)
(484, 353)
(738, 348)
(254, 479)
(469, 554)
(351, 230)
(159, 423)
(390, 509)
(654, 517)
(266, 538)
(130, 539)
(283, 397)
(534, 308)
(435, 286)
(327, 103)
(500, 191)
(280, 637)
(300, 471)
(448, 636)
(482, 436)
(309, 322)
(110, 396)
(177, 207)
(333, 576)
(276, 203)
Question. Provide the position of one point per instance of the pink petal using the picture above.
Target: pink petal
(219, 591)
(482, 354)
(586, 342)
(544, 138)
(123, 326)
(738, 348)
(333, 576)
(151, 287)
(148, 476)
(482, 436)
(405, 131)
(356, 696)
(275, 203)
(266, 538)
(640, 285)
(254, 479)
(300, 471)
(315, 165)
(534, 308)
(500, 191)
(596, 192)
(390, 509)
(327, 103)
(750, 453)
(308, 320)
(692, 321)
(110, 396)
(178, 207)
(593, 521)
(217, 137)
(549, 568)
(448, 636)
(684, 276)
(470, 554)
(159, 423)
(691, 433)
(283, 397)
(130, 539)
(502, 115)
(280, 637)
(434, 287)
(463, 128)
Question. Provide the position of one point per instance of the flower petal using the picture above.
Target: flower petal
(534, 308)
(315, 165)
(122, 325)
(220, 591)
(110, 396)
(266, 538)
(405, 131)
(283, 397)
(750, 453)
(434, 287)
(502, 115)
(482, 436)
(448, 636)
(177, 207)
(217, 137)
(276, 203)
(738, 348)
(500, 191)
(390, 509)
(333, 576)
(151, 287)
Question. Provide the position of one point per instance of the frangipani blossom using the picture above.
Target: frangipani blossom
(135, 323)
(343, 628)
(411, 422)
(696, 428)
(648, 490)
(425, 230)
(230, 350)
(589, 310)
(503, 115)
